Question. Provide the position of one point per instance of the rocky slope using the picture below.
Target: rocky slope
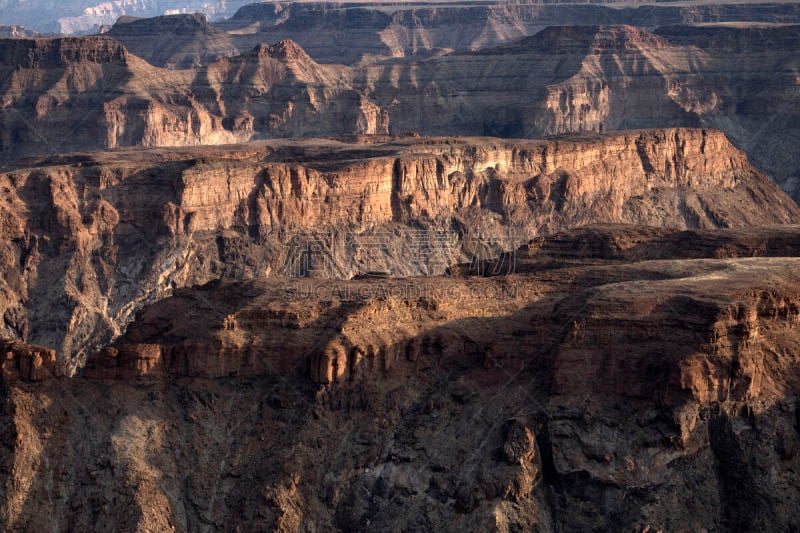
(612, 395)
(90, 93)
(176, 41)
(741, 80)
(90, 238)
(72, 93)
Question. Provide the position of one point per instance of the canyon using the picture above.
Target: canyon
(92, 93)
(606, 384)
(86, 16)
(376, 31)
(381, 28)
(442, 266)
(90, 238)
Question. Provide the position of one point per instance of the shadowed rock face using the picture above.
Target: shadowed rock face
(176, 41)
(91, 238)
(640, 392)
(741, 80)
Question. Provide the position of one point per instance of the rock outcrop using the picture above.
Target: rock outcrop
(27, 362)
(90, 238)
(650, 394)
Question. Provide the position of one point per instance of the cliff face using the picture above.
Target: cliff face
(410, 28)
(72, 93)
(609, 78)
(82, 93)
(381, 331)
(91, 238)
(610, 395)
(377, 32)
(758, 99)
(563, 79)
(279, 91)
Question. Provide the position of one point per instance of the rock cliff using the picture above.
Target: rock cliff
(375, 31)
(600, 78)
(72, 93)
(268, 303)
(90, 238)
(609, 78)
(649, 394)
(90, 93)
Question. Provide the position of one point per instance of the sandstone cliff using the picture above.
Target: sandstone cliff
(88, 239)
(637, 395)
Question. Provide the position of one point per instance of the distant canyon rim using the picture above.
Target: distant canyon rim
(83, 93)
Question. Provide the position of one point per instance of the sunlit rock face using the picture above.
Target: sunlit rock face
(91, 238)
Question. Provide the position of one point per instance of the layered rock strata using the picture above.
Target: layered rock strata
(91, 93)
(90, 238)
(655, 394)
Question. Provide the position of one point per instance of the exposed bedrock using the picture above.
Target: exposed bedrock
(646, 394)
(91, 93)
(91, 238)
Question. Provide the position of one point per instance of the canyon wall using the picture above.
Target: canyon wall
(614, 395)
(374, 31)
(267, 303)
(741, 80)
(91, 93)
(381, 28)
(91, 238)
(175, 41)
